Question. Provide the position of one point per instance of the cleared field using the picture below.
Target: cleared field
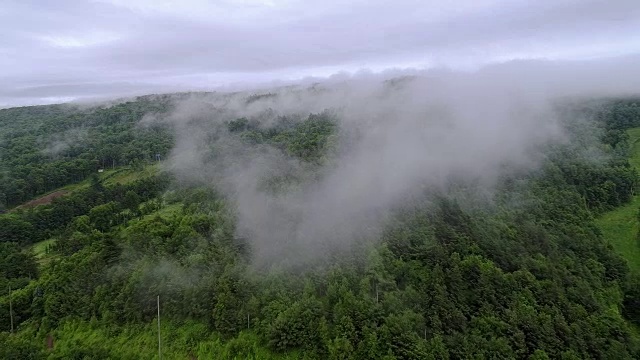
(620, 226)
(128, 174)
(41, 251)
(46, 199)
(121, 175)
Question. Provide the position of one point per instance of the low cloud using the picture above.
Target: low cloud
(62, 50)
(57, 144)
(397, 137)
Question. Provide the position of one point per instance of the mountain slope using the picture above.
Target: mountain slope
(521, 271)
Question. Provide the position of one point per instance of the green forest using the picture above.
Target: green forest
(548, 269)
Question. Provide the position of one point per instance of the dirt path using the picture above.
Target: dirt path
(47, 199)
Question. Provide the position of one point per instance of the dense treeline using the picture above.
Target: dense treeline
(45, 147)
(306, 139)
(27, 226)
(608, 180)
(528, 276)
(70, 220)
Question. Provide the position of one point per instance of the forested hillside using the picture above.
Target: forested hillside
(45, 147)
(521, 271)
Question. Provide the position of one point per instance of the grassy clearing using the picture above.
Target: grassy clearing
(620, 226)
(121, 175)
(189, 340)
(128, 174)
(41, 252)
(168, 211)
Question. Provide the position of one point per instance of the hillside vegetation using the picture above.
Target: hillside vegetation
(621, 226)
(527, 275)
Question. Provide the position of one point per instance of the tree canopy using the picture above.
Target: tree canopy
(527, 276)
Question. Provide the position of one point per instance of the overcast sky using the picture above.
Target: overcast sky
(52, 51)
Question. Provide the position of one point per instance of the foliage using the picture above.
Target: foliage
(528, 276)
(46, 147)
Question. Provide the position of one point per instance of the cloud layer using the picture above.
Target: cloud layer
(53, 51)
(397, 138)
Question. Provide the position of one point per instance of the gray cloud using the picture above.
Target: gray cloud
(114, 48)
(396, 140)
